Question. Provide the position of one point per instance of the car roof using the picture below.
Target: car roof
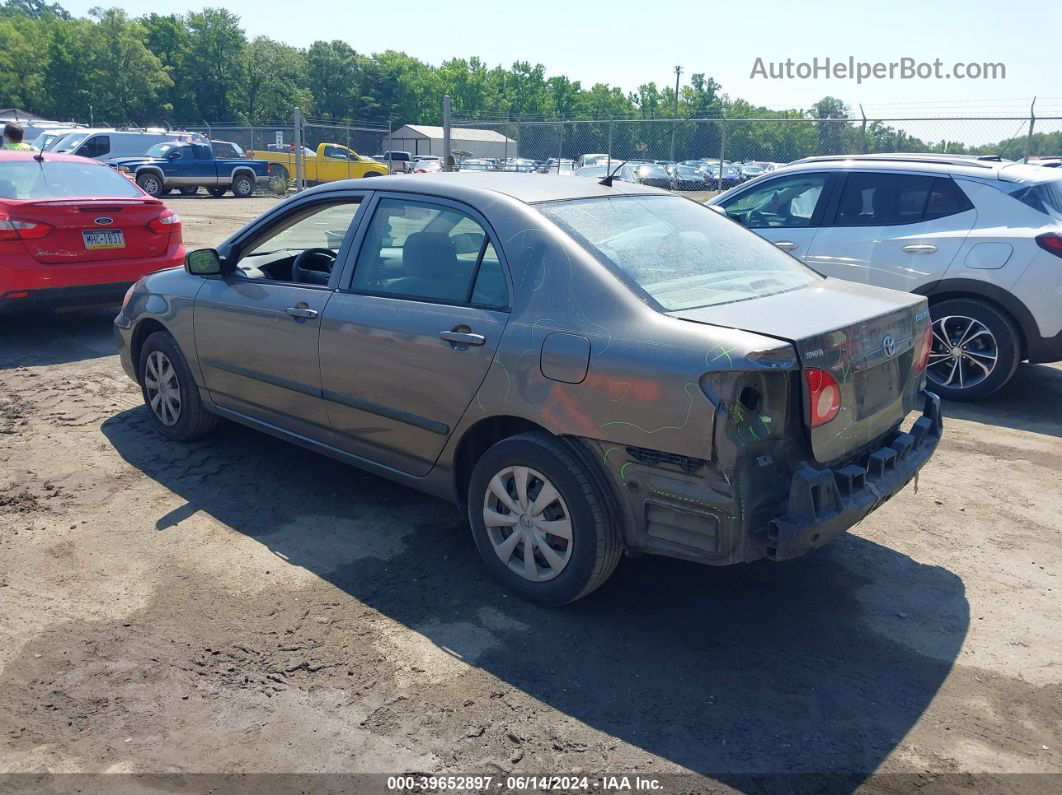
(930, 163)
(470, 185)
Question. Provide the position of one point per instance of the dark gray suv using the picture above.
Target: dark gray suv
(587, 369)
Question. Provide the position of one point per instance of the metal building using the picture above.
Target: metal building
(423, 139)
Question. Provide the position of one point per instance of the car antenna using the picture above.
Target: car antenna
(607, 181)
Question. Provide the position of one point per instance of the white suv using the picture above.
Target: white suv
(981, 238)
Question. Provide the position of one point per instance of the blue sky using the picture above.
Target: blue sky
(627, 42)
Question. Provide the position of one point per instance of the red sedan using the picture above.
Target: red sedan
(75, 232)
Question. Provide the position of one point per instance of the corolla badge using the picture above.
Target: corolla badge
(888, 345)
(103, 220)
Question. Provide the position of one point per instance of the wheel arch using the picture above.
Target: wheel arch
(1002, 300)
(478, 438)
(141, 331)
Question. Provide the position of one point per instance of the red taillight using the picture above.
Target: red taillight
(824, 396)
(11, 229)
(165, 222)
(1050, 242)
(925, 346)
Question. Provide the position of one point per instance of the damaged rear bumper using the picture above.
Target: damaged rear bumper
(824, 503)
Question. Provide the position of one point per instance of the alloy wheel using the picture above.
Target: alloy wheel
(528, 523)
(964, 352)
(162, 388)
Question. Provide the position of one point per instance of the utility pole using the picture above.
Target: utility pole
(678, 73)
(447, 156)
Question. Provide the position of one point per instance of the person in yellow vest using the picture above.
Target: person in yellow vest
(13, 139)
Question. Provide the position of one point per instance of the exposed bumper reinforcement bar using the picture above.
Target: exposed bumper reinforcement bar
(824, 503)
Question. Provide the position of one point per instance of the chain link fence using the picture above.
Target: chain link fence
(727, 150)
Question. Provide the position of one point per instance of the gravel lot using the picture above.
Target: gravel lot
(239, 604)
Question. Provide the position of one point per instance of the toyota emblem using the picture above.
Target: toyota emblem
(103, 220)
(888, 345)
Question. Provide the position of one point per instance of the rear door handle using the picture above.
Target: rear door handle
(920, 248)
(301, 311)
(786, 245)
(462, 337)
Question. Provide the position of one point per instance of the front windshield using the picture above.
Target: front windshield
(160, 150)
(70, 142)
(678, 252)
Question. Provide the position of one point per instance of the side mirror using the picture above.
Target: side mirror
(204, 262)
(173, 154)
(717, 208)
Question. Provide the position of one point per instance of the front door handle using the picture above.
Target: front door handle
(920, 248)
(786, 245)
(462, 337)
(301, 311)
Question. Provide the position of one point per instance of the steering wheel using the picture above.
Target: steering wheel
(756, 219)
(313, 266)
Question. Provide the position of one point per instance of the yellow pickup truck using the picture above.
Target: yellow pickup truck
(331, 162)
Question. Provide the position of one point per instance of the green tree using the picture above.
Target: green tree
(128, 74)
(332, 71)
(276, 76)
(215, 56)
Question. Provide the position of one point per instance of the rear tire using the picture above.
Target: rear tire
(189, 190)
(572, 545)
(242, 186)
(217, 193)
(170, 393)
(150, 183)
(976, 349)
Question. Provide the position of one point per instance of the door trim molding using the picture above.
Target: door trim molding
(408, 417)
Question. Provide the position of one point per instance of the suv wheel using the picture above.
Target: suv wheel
(189, 190)
(150, 183)
(216, 192)
(170, 392)
(539, 522)
(975, 351)
(242, 186)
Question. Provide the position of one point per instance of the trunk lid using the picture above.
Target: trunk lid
(79, 228)
(867, 338)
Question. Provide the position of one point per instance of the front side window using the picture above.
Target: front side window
(323, 227)
(785, 202)
(679, 253)
(429, 252)
(96, 146)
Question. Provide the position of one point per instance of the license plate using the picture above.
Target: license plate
(109, 238)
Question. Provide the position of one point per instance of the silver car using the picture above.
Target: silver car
(586, 369)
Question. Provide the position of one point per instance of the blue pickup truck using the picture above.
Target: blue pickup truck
(190, 165)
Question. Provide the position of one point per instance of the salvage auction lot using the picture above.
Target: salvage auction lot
(242, 605)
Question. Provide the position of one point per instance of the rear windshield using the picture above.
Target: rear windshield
(54, 180)
(678, 252)
(1043, 196)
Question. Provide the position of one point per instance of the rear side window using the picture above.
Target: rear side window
(55, 180)
(875, 199)
(429, 252)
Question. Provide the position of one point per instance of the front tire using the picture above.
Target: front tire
(151, 184)
(242, 186)
(976, 349)
(539, 521)
(170, 393)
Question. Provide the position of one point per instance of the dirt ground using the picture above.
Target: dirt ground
(241, 605)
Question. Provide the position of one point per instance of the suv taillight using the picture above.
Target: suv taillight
(1050, 242)
(23, 230)
(165, 222)
(824, 396)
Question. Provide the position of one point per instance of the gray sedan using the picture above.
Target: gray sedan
(586, 369)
